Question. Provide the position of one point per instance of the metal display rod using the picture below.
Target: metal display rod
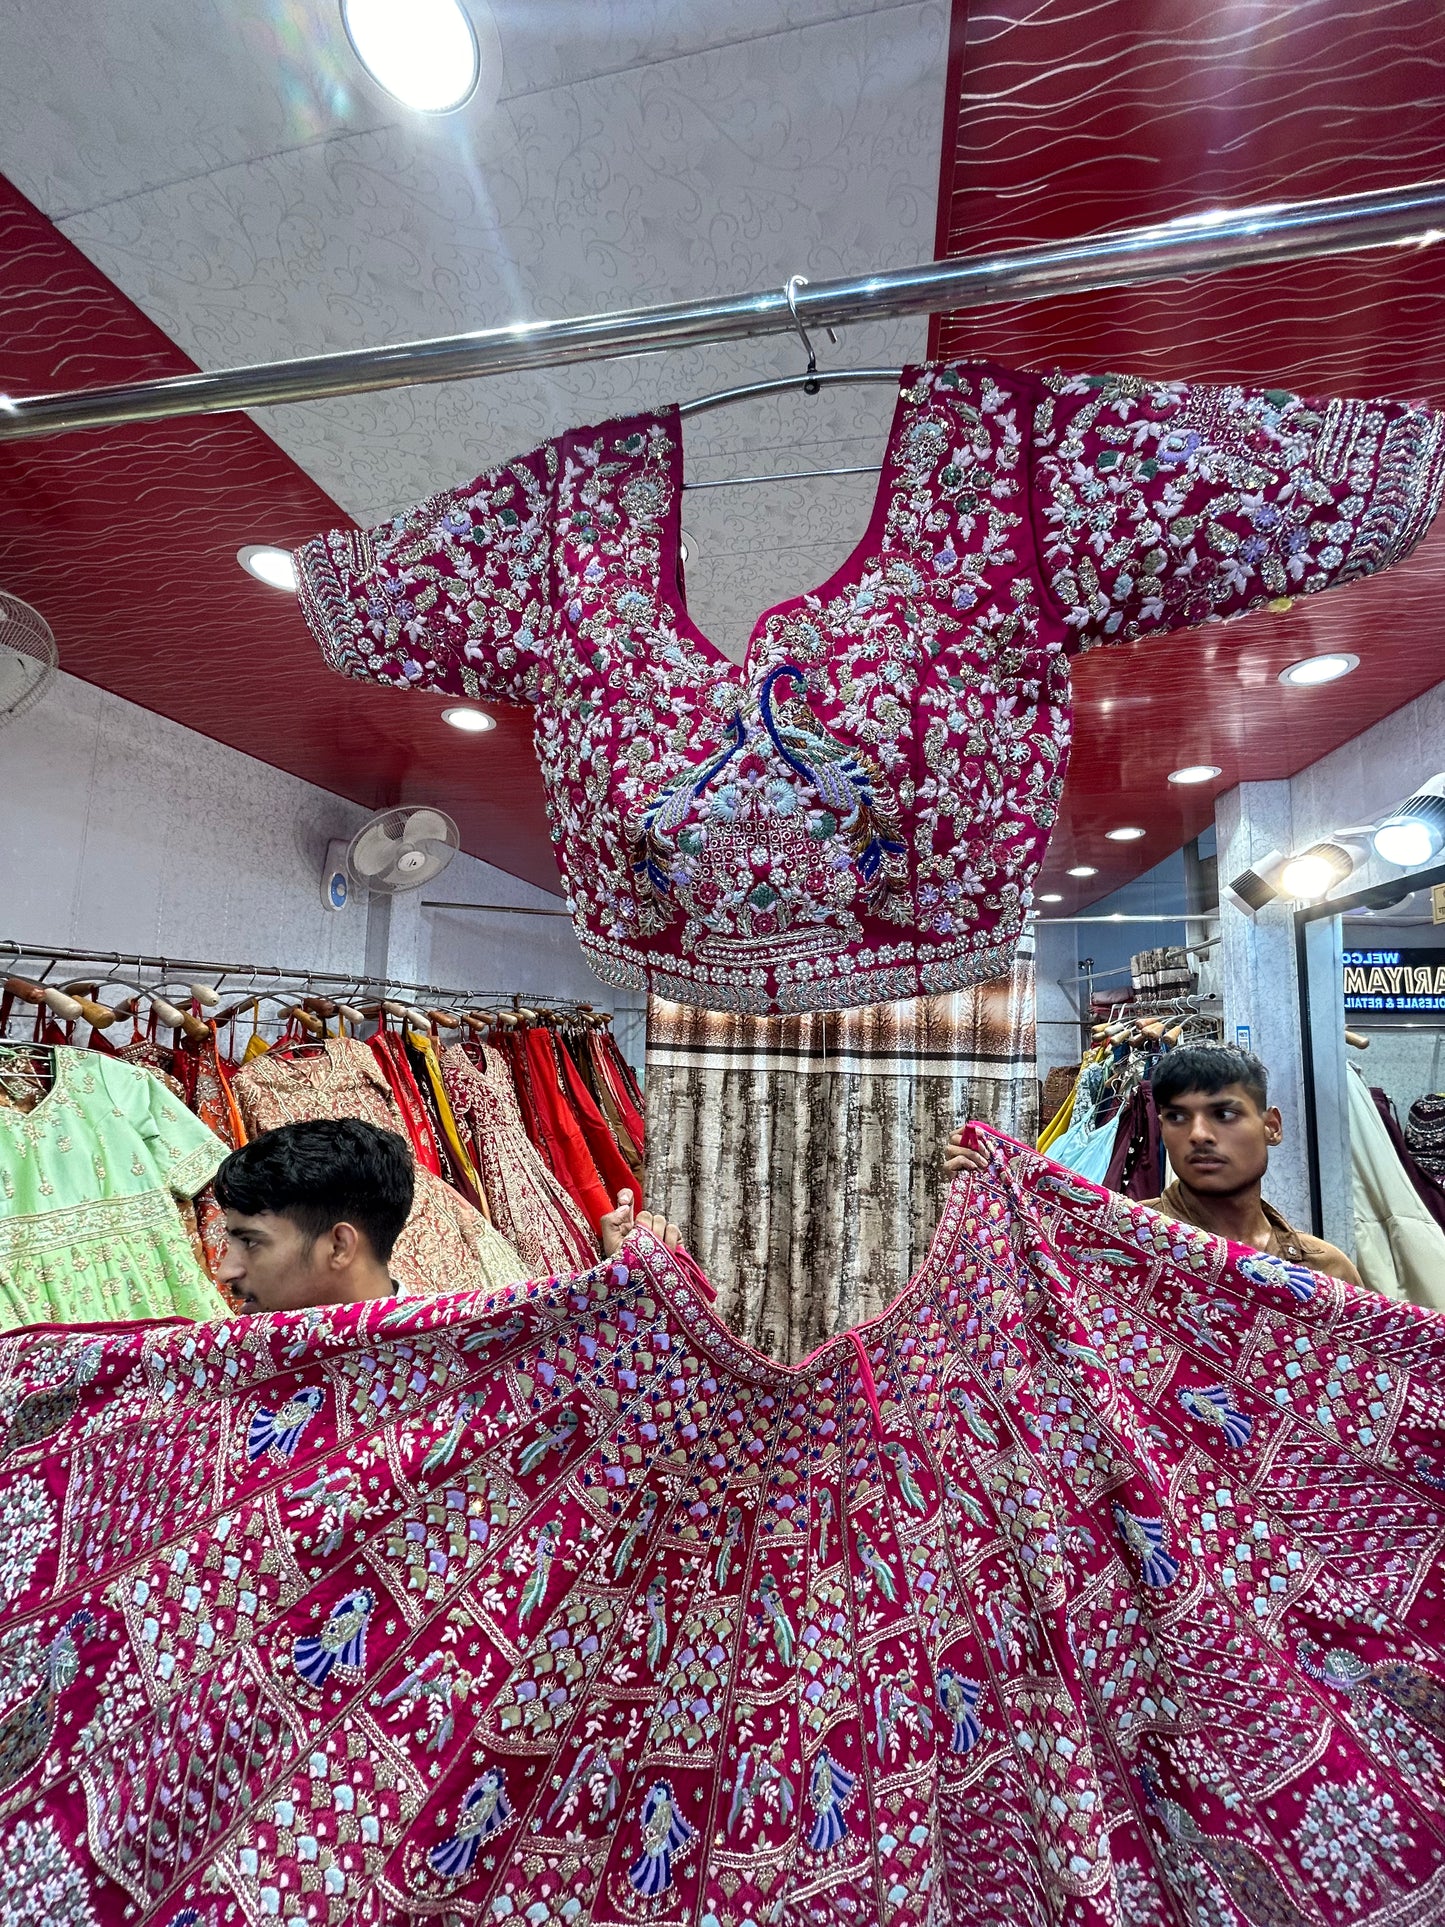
(1206, 243)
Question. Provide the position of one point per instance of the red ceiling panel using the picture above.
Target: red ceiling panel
(125, 539)
(1065, 119)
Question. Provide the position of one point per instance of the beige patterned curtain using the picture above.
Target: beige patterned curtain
(801, 1155)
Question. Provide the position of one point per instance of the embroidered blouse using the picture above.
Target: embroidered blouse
(857, 811)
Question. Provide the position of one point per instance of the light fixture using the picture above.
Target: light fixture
(1314, 670)
(1253, 888)
(1196, 773)
(1083, 870)
(1414, 834)
(1051, 896)
(687, 548)
(275, 567)
(423, 52)
(472, 722)
(1126, 835)
(1315, 871)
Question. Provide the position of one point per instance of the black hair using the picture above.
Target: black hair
(323, 1172)
(1208, 1068)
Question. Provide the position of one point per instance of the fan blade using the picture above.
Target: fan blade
(423, 825)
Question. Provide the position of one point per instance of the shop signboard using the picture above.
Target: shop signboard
(1399, 980)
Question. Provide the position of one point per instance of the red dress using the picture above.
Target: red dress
(1097, 1582)
(857, 811)
(571, 1156)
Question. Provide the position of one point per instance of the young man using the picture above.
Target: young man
(1218, 1126)
(313, 1212)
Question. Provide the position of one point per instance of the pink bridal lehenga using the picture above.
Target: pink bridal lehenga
(1097, 1581)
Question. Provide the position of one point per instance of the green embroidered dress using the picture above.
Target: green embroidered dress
(89, 1226)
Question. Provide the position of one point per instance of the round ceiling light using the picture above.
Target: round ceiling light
(423, 52)
(1083, 870)
(1196, 773)
(686, 548)
(1126, 835)
(1051, 896)
(471, 722)
(1314, 670)
(275, 567)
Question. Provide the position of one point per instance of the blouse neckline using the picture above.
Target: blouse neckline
(670, 588)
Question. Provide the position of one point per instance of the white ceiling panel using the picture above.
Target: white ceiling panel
(236, 173)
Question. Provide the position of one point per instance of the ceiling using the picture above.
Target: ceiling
(204, 184)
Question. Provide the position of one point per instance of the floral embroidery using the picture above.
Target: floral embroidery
(856, 813)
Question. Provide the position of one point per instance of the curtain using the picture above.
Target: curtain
(802, 1156)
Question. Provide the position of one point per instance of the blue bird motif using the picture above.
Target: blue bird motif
(1212, 1405)
(340, 1646)
(279, 1432)
(28, 1728)
(842, 780)
(664, 1833)
(829, 1786)
(669, 811)
(485, 1810)
(958, 1697)
(1145, 1537)
(1261, 1269)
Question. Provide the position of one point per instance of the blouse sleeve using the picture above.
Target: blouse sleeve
(450, 595)
(184, 1153)
(1162, 505)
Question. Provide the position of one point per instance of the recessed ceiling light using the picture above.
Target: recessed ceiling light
(687, 548)
(1196, 773)
(1127, 835)
(473, 722)
(275, 567)
(1083, 870)
(1051, 896)
(423, 52)
(1314, 670)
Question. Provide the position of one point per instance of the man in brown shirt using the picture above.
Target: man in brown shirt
(1217, 1124)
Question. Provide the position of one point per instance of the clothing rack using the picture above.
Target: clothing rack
(103, 966)
(1207, 243)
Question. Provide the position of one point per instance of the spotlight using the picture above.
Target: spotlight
(1414, 834)
(1253, 888)
(1315, 871)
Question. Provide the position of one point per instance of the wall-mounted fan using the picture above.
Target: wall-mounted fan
(401, 849)
(28, 657)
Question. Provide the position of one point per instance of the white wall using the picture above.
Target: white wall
(121, 830)
(124, 831)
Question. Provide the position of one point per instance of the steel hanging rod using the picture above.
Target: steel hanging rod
(1193, 244)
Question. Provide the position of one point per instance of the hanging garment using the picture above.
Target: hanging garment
(800, 1154)
(91, 1181)
(1136, 1164)
(1425, 1133)
(446, 1244)
(1429, 1190)
(613, 1169)
(1087, 1147)
(415, 1122)
(571, 1158)
(456, 1161)
(207, 1085)
(857, 811)
(1399, 1246)
(531, 1207)
(1099, 1580)
(628, 1143)
(614, 1074)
